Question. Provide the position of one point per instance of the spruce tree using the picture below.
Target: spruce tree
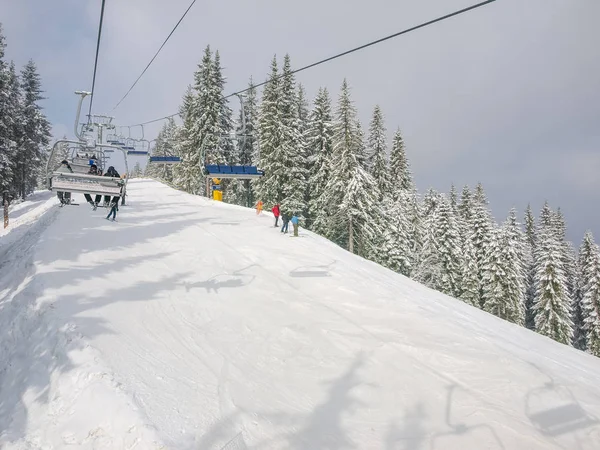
(394, 248)
(465, 207)
(36, 131)
(187, 174)
(503, 283)
(247, 143)
(449, 248)
(552, 304)
(351, 192)
(377, 163)
(247, 147)
(319, 142)
(585, 264)
(166, 145)
(268, 188)
(302, 103)
(7, 143)
(453, 198)
(481, 228)
(591, 301)
(400, 174)
(293, 176)
(469, 289)
(228, 153)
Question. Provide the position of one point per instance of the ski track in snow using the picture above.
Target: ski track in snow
(191, 324)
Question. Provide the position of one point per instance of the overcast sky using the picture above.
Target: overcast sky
(508, 94)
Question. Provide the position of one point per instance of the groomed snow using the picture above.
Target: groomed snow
(190, 324)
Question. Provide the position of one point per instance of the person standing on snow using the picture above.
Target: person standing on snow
(259, 207)
(295, 221)
(285, 219)
(276, 214)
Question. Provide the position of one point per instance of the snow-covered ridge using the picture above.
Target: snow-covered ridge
(195, 324)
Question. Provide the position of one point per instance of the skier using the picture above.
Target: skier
(285, 219)
(295, 224)
(111, 172)
(259, 207)
(113, 210)
(276, 214)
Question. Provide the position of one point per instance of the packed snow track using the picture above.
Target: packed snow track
(190, 324)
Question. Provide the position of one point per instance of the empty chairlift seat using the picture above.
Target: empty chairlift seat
(239, 172)
(165, 159)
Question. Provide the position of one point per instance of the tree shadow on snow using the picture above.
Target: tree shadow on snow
(323, 428)
(35, 341)
(411, 434)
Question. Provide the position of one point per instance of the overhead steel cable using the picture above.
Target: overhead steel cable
(347, 52)
(155, 55)
(96, 61)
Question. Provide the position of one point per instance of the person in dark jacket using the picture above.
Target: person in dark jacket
(64, 197)
(285, 218)
(111, 172)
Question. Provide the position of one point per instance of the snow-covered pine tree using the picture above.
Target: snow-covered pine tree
(530, 234)
(416, 231)
(469, 286)
(7, 144)
(247, 147)
(293, 176)
(136, 172)
(552, 303)
(465, 207)
(453, 198)
(400, 174)
(591, 301)
(503, 283)
(546, 218)
(36, 131)
(226, 146)
(351, 192)
(247, 143)
(302, 108)
(585, 264)
(394, 245)
(481, 229)
(428, 269)
(186, 175)
(268, 188)
(377, 161)
(449, 248)
(166, 145)
(319, 142)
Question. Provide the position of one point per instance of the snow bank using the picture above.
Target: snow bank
(200, 325)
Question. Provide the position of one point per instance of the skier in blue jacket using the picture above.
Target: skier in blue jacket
(295, 224)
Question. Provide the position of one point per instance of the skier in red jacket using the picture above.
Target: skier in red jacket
(276, 214)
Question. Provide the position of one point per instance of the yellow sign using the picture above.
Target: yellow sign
(218, 196)
(216, 180)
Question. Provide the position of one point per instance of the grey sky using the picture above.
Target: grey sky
(508, 95)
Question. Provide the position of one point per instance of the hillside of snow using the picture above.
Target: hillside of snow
(191, 324)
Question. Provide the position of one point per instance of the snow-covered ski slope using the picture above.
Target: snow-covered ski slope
(189, 324)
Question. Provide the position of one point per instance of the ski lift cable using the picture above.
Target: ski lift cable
(96, 59)
(156, 54)
(347, 52)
